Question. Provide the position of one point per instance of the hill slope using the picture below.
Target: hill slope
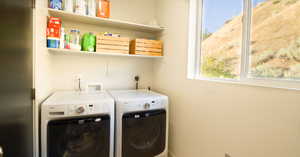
(275, 43)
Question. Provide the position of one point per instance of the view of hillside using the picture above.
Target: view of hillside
(275, 43)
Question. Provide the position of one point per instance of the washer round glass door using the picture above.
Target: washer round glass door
(80, 137)
(144, 133)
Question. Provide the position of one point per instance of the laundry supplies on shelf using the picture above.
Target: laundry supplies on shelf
(75, 39)
(55, 4)
(80, 7)
(53, 32)
(106, 43)
(91, 8)
(69, 6)
(103, 8)
(88, 42)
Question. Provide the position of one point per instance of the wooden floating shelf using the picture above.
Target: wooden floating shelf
(58, 51)
(105, 22)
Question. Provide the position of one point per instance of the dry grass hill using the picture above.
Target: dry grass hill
(275, 43)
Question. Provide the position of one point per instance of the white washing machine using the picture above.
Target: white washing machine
(141, 123)
(77, 124)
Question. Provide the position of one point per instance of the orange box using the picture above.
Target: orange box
(53, 27)
(103, 9)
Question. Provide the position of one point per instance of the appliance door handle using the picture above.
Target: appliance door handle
(156, 113)
(1, 151)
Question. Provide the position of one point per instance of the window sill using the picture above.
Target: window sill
(258, 82)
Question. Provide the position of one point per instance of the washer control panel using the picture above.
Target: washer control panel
(82, 109)
(77, 109)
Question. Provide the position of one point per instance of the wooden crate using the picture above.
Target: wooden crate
(146, 47)
(112, 44)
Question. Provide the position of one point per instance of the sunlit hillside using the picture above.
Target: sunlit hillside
(275, 42)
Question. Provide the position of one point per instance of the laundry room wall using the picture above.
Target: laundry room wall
(209, 119)
(58, 72)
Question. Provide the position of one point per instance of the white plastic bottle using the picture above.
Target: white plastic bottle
(62, 38)
(68, 6)
(84, 10)
(80, 7)
(92, 8)
(75, 39)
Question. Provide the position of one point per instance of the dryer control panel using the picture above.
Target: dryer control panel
(147, 104)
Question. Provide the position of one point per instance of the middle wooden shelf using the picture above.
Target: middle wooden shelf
(58, 51)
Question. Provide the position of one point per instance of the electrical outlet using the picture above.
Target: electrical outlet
(227, 155)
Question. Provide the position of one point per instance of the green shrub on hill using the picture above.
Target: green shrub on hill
(218, 68)
(290, 53)
(293, 72)
(266, 70)
(276, 1)
(263, 57)
(284, 54)
(289, 2)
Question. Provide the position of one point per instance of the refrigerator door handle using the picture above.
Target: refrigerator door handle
(33, 7)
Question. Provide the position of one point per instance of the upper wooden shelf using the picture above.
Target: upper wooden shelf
(105, 22)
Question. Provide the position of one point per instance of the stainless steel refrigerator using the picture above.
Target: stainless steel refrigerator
(16, 78)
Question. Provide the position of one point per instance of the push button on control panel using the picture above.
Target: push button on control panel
(91, 108)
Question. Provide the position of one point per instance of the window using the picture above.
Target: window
(275, 39)
(254, 42)
(221, 38)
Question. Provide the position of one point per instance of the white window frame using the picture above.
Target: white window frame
(194, 52)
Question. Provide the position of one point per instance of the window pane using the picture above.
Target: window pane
(221, 38)
(275, 39)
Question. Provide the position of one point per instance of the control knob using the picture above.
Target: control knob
(80, 110)
(146, 106)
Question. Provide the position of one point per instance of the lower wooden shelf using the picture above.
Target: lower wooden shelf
(58, 51)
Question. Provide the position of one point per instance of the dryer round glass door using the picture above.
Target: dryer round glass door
(144, 133)
(88, 137)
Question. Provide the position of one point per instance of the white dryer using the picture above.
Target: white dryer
(141, 123)
(77, 124)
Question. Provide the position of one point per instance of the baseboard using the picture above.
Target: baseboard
(171, 154)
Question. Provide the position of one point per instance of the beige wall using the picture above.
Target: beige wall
(141, 11)
(210, 119)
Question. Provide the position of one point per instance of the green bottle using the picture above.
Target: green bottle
(88, 42)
